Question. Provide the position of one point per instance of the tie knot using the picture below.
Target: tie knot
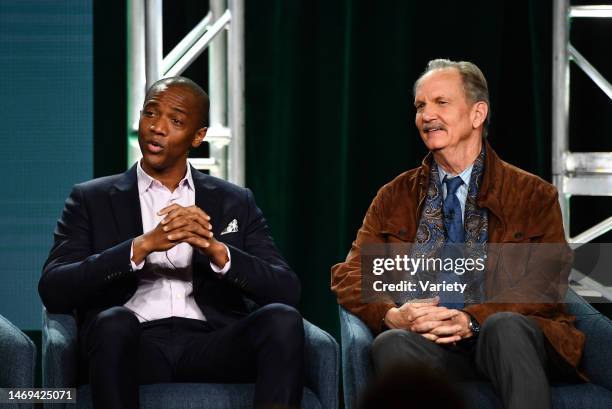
(452, 184)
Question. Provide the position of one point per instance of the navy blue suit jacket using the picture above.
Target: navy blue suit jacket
(89, 270)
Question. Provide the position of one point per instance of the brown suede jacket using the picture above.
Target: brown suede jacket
(522, 207)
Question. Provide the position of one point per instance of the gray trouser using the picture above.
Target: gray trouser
(510, 351)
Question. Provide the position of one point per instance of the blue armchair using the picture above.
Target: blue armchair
(59, 355)
(18, 357)
(356, 340)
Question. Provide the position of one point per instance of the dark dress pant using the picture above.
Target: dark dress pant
(266, 347)
(510, 351)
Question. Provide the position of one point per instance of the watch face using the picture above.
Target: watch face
(474, 326)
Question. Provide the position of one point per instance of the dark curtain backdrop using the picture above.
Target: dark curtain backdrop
(330, 114)
(329, 106)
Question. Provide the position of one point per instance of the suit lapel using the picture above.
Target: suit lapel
(489, 194)
(207, 198)
(126, 205)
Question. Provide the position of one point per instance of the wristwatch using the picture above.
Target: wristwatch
(474, 326)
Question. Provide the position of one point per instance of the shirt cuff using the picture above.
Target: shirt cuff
(226, 267)
(135, 267)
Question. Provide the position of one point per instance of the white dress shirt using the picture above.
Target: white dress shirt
(165, 287)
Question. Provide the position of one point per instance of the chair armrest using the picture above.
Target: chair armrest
(59, 350)
(356, 343)
(321, 365)
(18, 356)
(597, 357)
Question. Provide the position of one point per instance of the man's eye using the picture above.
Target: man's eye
(177, 121)
(148, 113)
(442, 102)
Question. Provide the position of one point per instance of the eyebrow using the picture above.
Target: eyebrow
(181, 110)
(178, 109)
(436, 98)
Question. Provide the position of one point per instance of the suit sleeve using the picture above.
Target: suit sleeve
(346, 276)
(73, 275)
(258, 268)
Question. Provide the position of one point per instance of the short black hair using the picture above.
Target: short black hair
(196, 90)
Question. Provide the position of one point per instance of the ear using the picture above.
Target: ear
(479, 113)
(199, 137)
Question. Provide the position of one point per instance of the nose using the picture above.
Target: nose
(428, 113)
(158, 127)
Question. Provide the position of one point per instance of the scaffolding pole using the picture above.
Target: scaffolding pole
(236, 87)
(221, 32)
(577, 173)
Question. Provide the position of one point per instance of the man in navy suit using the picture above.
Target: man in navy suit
(172, 273)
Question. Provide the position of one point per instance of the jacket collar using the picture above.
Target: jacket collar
(125, 202)
(208, 197)
(492, 179)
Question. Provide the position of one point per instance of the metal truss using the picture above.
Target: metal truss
(222, 32)
(577, 173)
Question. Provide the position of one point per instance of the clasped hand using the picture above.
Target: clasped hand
(181, 225)
(434, 322)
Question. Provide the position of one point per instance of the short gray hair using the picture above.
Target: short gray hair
(474, 82)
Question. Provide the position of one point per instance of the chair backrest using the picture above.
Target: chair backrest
(586, 314)
(597, 357)
(18, 357)
(59, 350)
(356, 340)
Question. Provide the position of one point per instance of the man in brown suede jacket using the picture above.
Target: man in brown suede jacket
(516, 345)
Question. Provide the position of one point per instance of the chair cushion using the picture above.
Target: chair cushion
(583, 395)
(196, 396)
(564, 396)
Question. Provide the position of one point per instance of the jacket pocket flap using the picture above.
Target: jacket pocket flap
(396, 231)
